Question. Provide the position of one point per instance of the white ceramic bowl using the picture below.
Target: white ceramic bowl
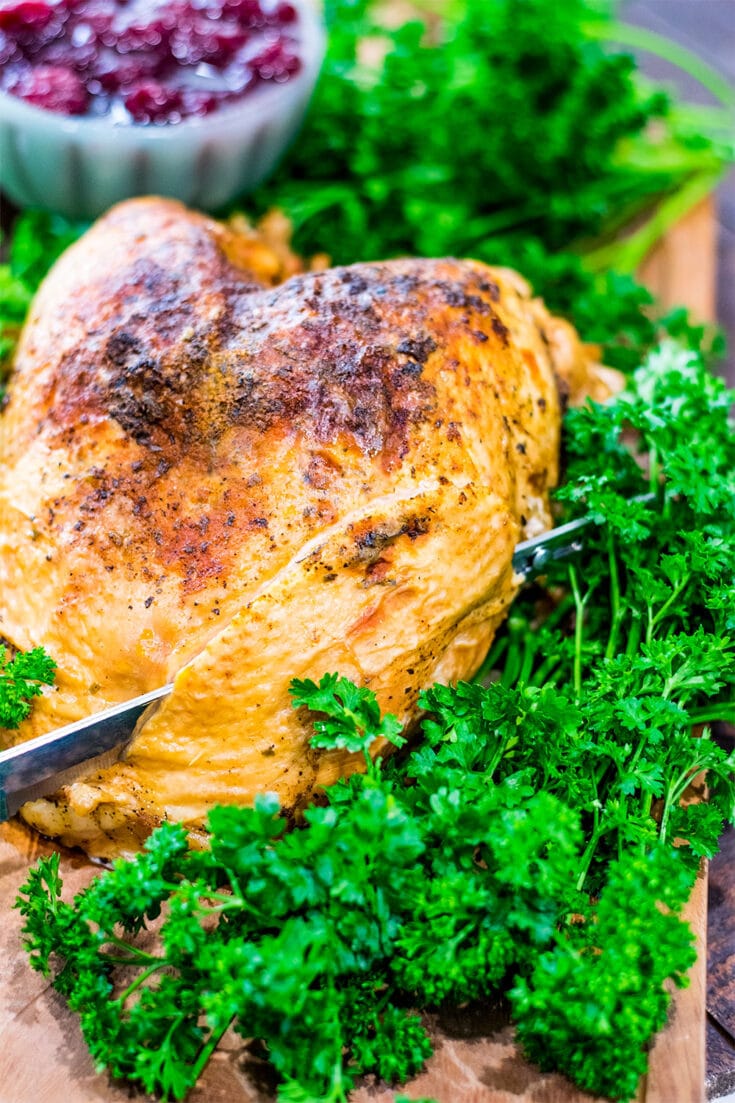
(80, 166)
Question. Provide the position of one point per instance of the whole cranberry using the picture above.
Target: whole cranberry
(99, 17)
(275, 62)
(152, 36)
(59, 53)
(283, 14)
(115, 72)
(248, 12)
(52, 87)
(25, 14)
(205, 40)
(151, 102)
(8, 49)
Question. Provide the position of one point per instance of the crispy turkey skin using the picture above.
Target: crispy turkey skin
(208, 480)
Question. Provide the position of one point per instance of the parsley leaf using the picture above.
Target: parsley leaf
(22, 678)
(352, 716)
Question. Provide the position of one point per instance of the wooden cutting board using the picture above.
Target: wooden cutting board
(44, 1060)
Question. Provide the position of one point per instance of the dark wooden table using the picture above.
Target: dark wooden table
(721, 971)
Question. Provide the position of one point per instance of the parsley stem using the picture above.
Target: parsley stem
(675, 792)
(653, 469)
(228, 904)
(529, 654)
(492, 659)
(579, 604)
(616, 613)
(715, 714)
(654, 620)
(110, 959)
(588, 855)
(634, 637)
(130, 948)
(207, 1050)
(512, 667)
(559, 612)
(542, 675)
(640, 38)
(141, 978)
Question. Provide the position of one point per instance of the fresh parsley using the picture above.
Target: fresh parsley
(526, 846)
(22, 677)
(37, 240)
(351, 717)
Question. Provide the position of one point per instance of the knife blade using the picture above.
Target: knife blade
(42, 765)
(531, 557)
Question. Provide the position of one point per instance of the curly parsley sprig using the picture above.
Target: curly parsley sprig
(22, 678)
(351, 718)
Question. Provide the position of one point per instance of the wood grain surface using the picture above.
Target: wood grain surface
(681, 269)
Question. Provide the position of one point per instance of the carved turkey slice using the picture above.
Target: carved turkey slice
(209, 480)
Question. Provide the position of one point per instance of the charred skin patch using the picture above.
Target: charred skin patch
(339, 353)
(146, 357)
(370, 542)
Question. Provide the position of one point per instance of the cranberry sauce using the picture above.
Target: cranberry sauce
(142, 61)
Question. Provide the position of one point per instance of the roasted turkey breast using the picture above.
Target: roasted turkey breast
(207, 480)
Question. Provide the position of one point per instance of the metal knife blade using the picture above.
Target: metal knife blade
(41, 765)
(532, 556)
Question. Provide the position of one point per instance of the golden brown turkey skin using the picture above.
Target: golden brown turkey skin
(231, 485)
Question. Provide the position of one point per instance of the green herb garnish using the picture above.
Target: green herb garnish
(37, 240)
(352, 719)
(22, 678)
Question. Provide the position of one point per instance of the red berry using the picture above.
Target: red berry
(52, 87)
(24, 15)
(275, 62)
(143, 36)
(205, 40)
(247, 12)
(115, 72)
(59, 53)
(8, 49)
(150, 102)
(285, 13)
